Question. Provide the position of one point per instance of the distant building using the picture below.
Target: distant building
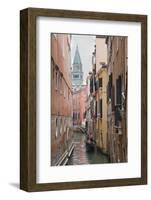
(61, 98)
(79, 91)
(89, 106)
(91, 111)
(77, 71)
(79, 106)
(117, 98)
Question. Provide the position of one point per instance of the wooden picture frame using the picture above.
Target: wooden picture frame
(28, 98)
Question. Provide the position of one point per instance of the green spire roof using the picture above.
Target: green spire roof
(77, 59)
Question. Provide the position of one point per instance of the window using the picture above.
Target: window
(101, 108)
(110, 86)
(64, 125)
(119, 91)
(60, 126)
(56, 127)
(96, 85)
(111, 92)
(96, 108)
(53, 68)
(67, 131)
(100, 82)
(76, 76)
(117, 116)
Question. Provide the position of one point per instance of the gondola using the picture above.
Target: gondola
(90, 144)
(90, 147)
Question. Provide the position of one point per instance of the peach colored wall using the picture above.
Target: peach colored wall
(79, 104)
(101, 52)
(61, 95)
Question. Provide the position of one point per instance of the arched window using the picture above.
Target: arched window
(60, 126)
(64, 125)
(56, 134)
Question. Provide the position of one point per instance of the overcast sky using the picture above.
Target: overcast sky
(86, 47)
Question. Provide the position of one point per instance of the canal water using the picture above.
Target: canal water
(81, 156)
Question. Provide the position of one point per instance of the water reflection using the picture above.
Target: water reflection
(81, 156)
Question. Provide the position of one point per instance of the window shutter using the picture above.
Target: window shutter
(96, 109)
(113, 98)
(119, 91)
(95, 85)
(110, 85)
(101, 108)
(100, 82)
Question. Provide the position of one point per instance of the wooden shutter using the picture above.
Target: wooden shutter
(113, 98)
(119, 91)
(100, 82)
(101, 108)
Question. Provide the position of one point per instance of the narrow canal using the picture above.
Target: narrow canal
(81, 156)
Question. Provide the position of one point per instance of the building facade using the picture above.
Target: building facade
(76, 108)
(101, 99)
(117, 98)
(61, 97)
(79, 91)
(89, 100)
(91, 108)
(101, 93)
(79, 106)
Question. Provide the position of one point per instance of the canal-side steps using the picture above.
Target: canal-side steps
(65, 157)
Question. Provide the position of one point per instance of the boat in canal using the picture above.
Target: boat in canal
(90, 143)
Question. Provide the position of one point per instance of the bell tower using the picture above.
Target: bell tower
(77, 72)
